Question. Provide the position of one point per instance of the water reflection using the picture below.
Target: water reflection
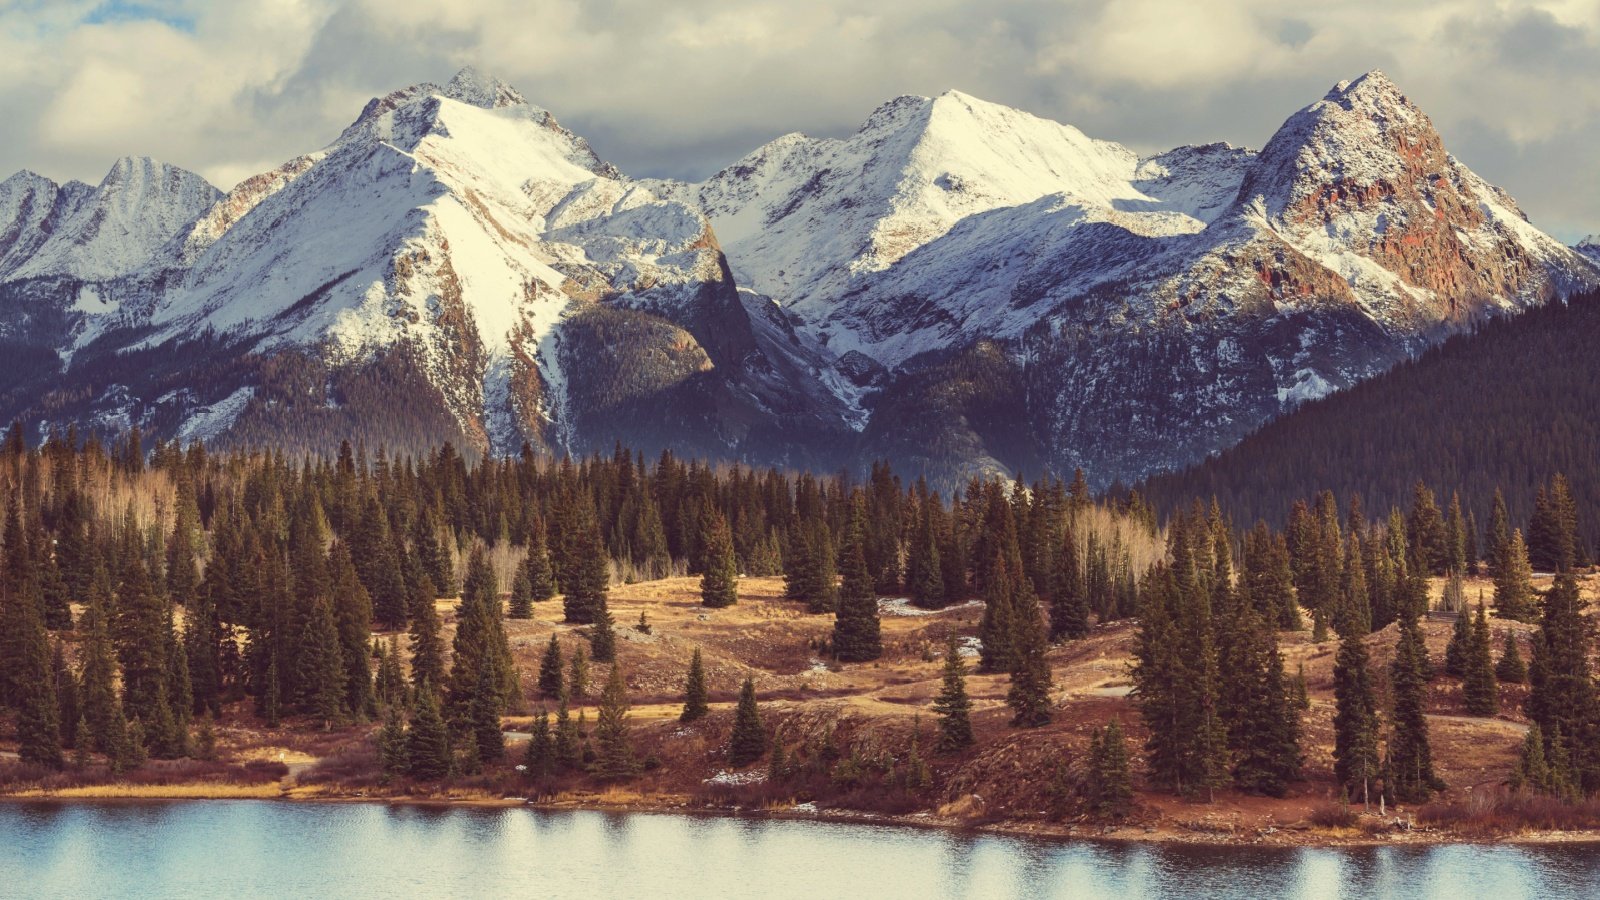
(243, 850)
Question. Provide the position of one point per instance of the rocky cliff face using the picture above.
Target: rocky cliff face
(960, 287)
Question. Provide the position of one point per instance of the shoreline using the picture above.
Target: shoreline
(1288, 837)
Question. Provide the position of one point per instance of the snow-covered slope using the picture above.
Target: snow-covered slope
(116, 228)
(958, 286)
(1589, 247)
(804, 219)
(454, 232)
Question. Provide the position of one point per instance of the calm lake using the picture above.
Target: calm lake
(240, 849)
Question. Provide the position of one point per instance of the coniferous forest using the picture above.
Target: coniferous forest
(1499, 410)
(436, 623)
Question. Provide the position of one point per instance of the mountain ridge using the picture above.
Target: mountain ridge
(1128, 314)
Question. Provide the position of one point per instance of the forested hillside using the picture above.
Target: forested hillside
(1503, 408)
(422, 626)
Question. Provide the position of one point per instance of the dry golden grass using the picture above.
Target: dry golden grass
(199, 791)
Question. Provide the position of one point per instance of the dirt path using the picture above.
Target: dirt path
(1518, 727)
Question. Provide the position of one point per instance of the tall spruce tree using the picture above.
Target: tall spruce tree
(1479, 690)
(1069, 600)
(1511, 669)
(1561, 698)
(694, 691)
(427, 739)
(856, 629)
(719, 584)
(1356, 760)
(552, 686)
(1513, 582)
(997, 629)
(1029, 694)
(748, 740)
(1409, 765)
(589, 580)
(953, 705)
(615, 751)
(521, 605)
(924, 575)
(1109, 785)
(536, 565)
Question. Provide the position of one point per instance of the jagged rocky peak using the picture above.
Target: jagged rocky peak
(486, 91)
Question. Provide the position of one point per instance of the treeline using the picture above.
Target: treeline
(1210, 679)
(145, 588)
(1496, 410)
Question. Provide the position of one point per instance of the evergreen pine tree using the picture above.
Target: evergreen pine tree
(536, 566)
(952, 704)
(1256, 701)
(719, 584)
(1069, 601)
(1532, 771)
(924, 574)
(142, 643)
(1562, 693)
(1355, 721)
(1410, 760)
(997, 628)
(1479, 690)
(603, 637)
(551, 684)
(391, 689)
(392, 742)
(694, 691)
(521, 605)
(97, 696)
(541, 757)
(856, 630)
(427, 739)
(427, 645)
(1109, 786)
(1511, 669)
(748, 740)
(1499, 537)
(615, 752)
(483, 717)
(321, 676)
(587, 586)
(353, 612)
(578, 674)
(1029, 694)
(568, 744)
(1513, 581)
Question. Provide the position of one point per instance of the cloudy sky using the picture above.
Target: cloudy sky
(681, 88)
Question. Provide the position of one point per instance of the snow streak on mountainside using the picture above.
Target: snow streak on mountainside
(959, 287)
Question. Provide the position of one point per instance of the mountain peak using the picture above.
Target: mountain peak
(1371, 94)
(480, 89)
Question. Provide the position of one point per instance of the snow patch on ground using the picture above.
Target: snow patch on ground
(902, 606)
(209, 421)
(737, 778)
(970, 646)
(1308, 385)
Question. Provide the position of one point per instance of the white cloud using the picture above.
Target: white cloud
(229, 88)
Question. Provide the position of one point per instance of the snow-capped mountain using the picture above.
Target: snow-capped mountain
(958, 286)
(1153, 310)
(1589, 247)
